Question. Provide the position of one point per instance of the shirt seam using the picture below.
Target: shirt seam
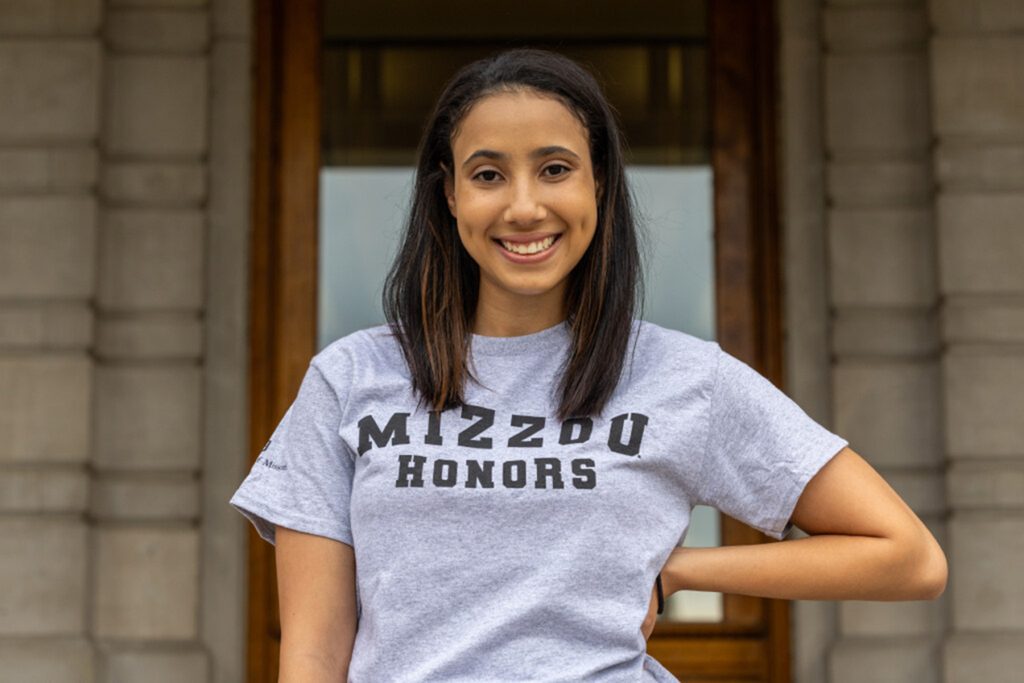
(711, 417)
(342, 403)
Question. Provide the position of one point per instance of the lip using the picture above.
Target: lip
(528, 258)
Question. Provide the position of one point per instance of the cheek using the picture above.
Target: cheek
(584, 210)
(475, 212)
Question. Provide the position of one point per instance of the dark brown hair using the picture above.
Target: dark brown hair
(430, 293)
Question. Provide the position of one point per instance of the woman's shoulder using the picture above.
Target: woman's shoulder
(656, 341)
(367, 347)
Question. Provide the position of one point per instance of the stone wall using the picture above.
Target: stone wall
(923, 151)
(977, 53)
(806, 305)
(883, 284)
(123, 219)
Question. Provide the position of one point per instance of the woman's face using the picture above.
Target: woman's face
(523, 193)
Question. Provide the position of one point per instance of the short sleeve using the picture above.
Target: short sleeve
(303, 478)
(762, 449)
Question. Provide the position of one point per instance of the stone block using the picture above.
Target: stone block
(876, 105)
(980, 167)
(988, 657)
(45, 326)
(982, 320)
(41, 490)
(158, 497)
(981, 247)
(156, 105)
(49, 247)
(48, 660)
(157, 30)
(158, 336)
(23, 169)
(49, 18)
(869, 619)
(923, 491)
(146, 583)
(151, 259)
(973, 16)
(230, 138)
(73, 168)
(46, 561)
(51, 91)
(976, 86)
(890, 411)
(903, 333)
(987, 554)
(48, 169)
(148, 417)
(876, 184)
(174, 184)
(232, 18)
(982, 402)
(885, 660)
(875, 28)
(882, 258)
(45, 408)
(155, 665)
(986, 485)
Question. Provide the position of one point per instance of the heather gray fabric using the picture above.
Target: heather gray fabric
(493, 543)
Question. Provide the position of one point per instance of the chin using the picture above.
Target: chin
(529, 291)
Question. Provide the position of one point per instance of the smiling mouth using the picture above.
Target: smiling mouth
(538, 247)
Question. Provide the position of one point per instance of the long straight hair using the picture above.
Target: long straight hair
(430, 293)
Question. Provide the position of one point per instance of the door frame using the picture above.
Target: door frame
(753, 644)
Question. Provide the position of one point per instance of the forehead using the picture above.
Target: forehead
(519, 120)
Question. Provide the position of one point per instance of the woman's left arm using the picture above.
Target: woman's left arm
(864, 543)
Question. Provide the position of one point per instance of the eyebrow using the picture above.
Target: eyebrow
(535, 154)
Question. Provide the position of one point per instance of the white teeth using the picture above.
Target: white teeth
(531, 248)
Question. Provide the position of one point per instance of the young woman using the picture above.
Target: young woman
(489, 487)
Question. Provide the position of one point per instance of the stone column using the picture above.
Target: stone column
(977, 49)
(147, 431)
(805, 276)
(224, 587)
(50, 68)
(883, 282)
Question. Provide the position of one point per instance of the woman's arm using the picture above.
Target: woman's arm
(316, 588)
(864, 543)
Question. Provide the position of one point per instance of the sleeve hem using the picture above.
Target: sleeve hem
(266, 520)
(781, 525)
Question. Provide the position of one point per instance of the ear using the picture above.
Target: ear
(449, 189)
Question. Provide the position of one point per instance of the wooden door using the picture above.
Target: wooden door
(751, 642)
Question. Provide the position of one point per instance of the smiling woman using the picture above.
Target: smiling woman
(513, 293)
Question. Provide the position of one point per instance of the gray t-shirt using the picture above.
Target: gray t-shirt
(494, 543)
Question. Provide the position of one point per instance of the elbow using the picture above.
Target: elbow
(935, 580)
(930, 569)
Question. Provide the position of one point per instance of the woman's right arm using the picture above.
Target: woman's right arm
(316, 589)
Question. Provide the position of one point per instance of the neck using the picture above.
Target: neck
(506, 314)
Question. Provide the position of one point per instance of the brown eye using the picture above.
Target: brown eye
(558, 170)
(487, 176)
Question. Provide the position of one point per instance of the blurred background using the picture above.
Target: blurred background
(198, 195)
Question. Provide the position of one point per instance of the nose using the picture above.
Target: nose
(525, 206)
